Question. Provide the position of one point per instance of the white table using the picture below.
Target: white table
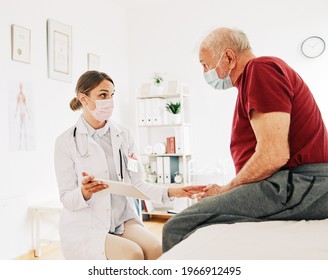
(39, 212)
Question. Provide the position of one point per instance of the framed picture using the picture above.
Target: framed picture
(20, 43)
(93, 61)
(59, 51)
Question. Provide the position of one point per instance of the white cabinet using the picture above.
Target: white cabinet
(164, 141)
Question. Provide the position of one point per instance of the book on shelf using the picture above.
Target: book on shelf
(144, 89)
(182, 140)
(144, 209)
(170, 166)
(176, 87)
(147, 205)
(160, 170)
(170, 145)
(151, 112)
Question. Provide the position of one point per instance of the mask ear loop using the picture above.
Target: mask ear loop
(220, 61)
(87, 105)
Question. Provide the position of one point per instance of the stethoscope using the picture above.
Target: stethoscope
(122, 157)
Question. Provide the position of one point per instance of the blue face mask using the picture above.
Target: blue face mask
(212, 78)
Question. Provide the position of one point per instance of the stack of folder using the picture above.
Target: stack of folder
(167, 167)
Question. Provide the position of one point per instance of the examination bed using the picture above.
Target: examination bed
(269, 240)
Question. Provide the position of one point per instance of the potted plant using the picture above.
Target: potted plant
(174, 109)
(158, 80)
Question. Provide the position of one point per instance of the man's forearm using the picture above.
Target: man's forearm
(257, 168)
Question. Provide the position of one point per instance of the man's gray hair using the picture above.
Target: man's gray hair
(223, 38)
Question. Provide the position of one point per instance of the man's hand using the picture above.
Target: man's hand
(212, 190)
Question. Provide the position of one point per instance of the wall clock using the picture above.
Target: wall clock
(313, 46)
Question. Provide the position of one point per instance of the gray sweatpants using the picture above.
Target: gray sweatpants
(295, 194)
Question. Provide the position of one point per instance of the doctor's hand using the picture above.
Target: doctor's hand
(89, 186)
(187, 191)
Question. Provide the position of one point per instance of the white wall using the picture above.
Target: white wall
(134, 39)
(164, 34)
(28, 177)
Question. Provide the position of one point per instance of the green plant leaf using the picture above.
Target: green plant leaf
(173, 108)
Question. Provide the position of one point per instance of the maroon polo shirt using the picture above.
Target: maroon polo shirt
(268, 84)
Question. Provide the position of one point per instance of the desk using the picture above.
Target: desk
(46, 208)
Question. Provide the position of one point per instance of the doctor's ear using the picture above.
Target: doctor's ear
(81, 97)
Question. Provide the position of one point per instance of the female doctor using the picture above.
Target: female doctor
(94, 223)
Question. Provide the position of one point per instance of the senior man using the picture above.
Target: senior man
(279, 143)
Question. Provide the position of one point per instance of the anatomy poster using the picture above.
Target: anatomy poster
(21, 117)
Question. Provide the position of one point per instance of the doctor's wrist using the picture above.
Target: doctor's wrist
(171, 193)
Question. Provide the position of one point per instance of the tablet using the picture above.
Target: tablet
(125, 189)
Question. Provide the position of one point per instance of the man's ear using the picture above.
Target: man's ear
(231, 58)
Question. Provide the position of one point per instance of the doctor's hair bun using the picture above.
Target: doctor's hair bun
(75, 104)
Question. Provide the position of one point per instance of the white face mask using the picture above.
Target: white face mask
(212, 78)
(104, 109)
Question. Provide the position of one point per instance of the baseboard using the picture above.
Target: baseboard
(28, 256)
(45, 250)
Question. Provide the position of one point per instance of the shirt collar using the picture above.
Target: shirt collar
(91, 131)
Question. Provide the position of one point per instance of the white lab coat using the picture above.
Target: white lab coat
(84, 225)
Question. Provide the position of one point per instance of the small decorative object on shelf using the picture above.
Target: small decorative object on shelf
(178, 178)
(157, 87)
(158, 79)
(170, 145)
(159, 148)
(174, 108)
(148, 150)
(152, 177)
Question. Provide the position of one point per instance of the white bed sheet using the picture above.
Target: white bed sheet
(270, 240)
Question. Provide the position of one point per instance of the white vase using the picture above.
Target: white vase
(176, 118)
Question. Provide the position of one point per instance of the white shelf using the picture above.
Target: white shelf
(166, 155)
(156, 125)
(168, 185)
(166, 125)
(164, 96)
(158, 213)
